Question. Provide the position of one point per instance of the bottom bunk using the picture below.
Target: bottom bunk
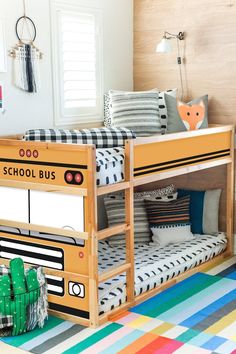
(154, 265)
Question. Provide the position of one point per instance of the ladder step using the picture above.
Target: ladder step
(113, 272)
(111, 188)
(111, 231)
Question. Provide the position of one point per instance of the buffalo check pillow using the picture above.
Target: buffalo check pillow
(101, 137)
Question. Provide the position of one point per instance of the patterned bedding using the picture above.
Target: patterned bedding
(109, 144)
(109, 165)
(109, 147)
(153, 265)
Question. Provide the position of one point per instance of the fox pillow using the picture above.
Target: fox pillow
(187, 116)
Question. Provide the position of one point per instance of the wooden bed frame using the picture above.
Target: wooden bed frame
(146, 160)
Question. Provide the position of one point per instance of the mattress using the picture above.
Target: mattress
(109, 166)
(109, 147)
(153, 265)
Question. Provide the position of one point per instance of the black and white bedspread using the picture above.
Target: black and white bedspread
(153, 265)
(109, 165)
(109, 144)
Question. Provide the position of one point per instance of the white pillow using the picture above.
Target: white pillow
(171, 234)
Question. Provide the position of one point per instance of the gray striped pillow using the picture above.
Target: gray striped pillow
(115, 209)
(138, 111)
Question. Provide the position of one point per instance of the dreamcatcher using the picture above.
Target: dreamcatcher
(26, 55)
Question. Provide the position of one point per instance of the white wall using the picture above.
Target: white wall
(24, 110)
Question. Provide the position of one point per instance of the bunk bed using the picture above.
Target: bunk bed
(31, 172)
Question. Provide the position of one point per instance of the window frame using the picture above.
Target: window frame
(90, 114)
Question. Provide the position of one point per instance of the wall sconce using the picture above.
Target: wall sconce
(164, 46)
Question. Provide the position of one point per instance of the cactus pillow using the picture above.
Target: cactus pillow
(23, 298)
(186, 116)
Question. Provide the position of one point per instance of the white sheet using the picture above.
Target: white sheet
(153, 265)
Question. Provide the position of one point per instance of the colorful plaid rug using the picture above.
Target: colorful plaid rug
(196, 316)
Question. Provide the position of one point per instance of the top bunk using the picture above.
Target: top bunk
(71, 168)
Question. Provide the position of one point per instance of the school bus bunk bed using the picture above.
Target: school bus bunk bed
(29, 168)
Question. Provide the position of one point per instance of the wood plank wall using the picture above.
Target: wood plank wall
(209, 63)
(210, 50)
(213, 178)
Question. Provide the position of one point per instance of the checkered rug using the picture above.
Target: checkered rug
(195, 316)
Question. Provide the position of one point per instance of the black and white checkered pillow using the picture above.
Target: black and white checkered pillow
(101, 137)
(51, 135)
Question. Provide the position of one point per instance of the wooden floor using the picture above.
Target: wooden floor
(7, 349)
(224, 265)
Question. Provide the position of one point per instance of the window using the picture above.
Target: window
(77, 69)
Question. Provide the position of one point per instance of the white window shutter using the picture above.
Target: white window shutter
(78, 70)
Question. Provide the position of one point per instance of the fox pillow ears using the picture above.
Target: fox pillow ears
(186, 116)
(192, 115)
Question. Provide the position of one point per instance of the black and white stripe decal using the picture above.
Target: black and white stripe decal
(56, 285)
(50, 257)
(69, 310)
(44, 163)
(180, 162)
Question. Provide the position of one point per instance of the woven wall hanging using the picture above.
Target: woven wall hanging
(26, 55)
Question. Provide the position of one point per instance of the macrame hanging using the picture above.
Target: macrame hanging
(26, 55)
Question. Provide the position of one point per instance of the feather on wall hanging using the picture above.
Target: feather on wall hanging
(26, 55)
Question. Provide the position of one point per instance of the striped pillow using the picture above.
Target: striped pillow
(115, 209)
(107, 104)
(174, 213)
(169, 222)
(138, 111)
